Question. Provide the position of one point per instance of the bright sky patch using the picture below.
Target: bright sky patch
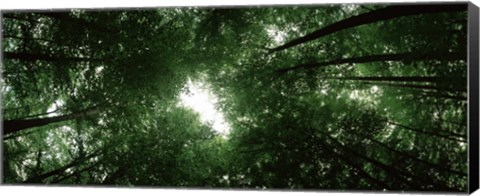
(203, 101)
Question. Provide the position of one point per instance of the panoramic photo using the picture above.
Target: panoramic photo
(349, 97)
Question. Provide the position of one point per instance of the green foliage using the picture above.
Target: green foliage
(116, 78)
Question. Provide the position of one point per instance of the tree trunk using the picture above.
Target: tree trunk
(16, 125)
(372, 180)
(409, 86)
(405, 154)
(110, 179)
(374, 16)
(44, 57)
(390, 78)
(440, 94)
(391, 171)
(58, 171)
(424, 90)
(40, 114)
(410, 179)
(76, 173)
(412, 56)
(353, 165)
(428, 132)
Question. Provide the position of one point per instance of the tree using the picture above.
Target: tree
(379, 58)
(373, 100)
(373, 16)
(15, 125)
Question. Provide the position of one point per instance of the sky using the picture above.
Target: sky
(202, 100)
(55, 106)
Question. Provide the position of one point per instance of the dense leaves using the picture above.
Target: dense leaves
(327, 97)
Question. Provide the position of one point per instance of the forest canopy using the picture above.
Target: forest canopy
(342, 97)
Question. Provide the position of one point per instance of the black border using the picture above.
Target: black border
(473, 118)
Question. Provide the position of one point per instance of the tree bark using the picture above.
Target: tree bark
(371, 17)
(405, 154)
(412, 56)
(110, 179)
(372, 180)
(353, 165)
(390, 78)
(75, 173)
(424, 90)
(393, 172)
(16, 125)
(448, 137)
(58, 171)
(408, 178)
(410, 86)
(40, 114)
(44, 57)
(440, 94)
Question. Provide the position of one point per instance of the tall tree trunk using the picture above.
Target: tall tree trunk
(448, 137)
(374, 16)
(409, 86)
(342, 155)
(110, 179)
(389, 78)
(40, 114)
(16, 125)
(408, 178)
(44, 57)
(78, 172)
(440, 94)
(61, 170)
(391, 171)
(412, 56)
(365, 175)
(424, 90)
(405, 154)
